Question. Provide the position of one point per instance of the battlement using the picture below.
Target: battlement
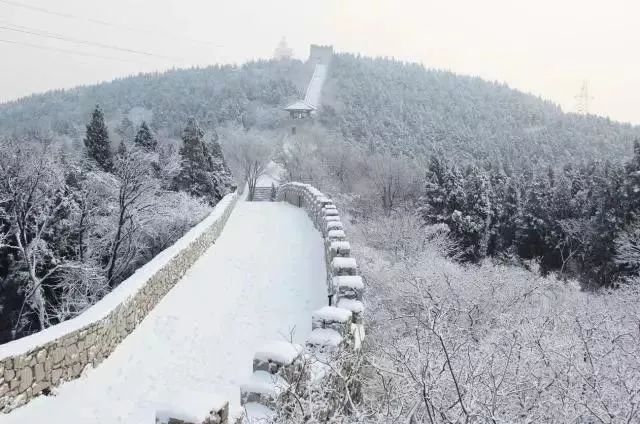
(320, 55)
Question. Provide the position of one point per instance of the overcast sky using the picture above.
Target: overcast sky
(546, 47)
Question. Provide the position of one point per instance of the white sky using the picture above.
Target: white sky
(547, 47)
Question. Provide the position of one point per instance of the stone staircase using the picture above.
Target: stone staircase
(262, 194)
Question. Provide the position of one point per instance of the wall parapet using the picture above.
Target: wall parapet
(336, 326)
(31, 366)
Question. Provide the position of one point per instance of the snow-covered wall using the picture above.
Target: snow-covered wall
(344, 285)
(279, 366)
(31, 366)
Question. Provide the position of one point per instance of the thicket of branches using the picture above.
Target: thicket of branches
(449, 343)
(76, 223)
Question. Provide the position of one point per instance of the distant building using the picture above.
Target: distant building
(300, 109)
(320, 55)
(283, 52)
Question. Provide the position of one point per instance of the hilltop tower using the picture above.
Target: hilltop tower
(283, 51)
(320, 55)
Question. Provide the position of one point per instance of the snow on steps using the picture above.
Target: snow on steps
(262, 194)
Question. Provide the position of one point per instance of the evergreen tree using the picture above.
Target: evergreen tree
(125, 130)
(434, 207)
(97, 141)
(202, 174)
(145, 139)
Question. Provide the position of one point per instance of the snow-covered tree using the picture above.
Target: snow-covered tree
(136, 194)
(97, 141)
(202, 174)
(251, 154)
(145, 139)
(33, 197)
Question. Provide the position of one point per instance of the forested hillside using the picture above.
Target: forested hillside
(403, 107)
(380, 103)
(251, 94)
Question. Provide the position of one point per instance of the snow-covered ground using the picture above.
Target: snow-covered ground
(271, 175)
(259, 282)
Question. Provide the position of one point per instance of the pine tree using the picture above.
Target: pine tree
(202, 174)
(97, 141)
(145, 139)
(434, 207)
(125, 130)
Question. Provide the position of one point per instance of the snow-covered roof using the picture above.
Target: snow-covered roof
(300, 105)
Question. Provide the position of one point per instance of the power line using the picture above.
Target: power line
(101, 22)
(68, 51)
(55, 36)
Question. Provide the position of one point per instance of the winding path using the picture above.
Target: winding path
(261, 280)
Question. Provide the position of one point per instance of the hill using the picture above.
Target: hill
(252, 93)
(404, 107)
(380, 103)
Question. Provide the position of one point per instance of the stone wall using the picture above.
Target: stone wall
(278, 365)
(31, 366)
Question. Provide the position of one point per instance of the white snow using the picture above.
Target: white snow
(353, 305)
(350, 281)
(331, 313)
(338, 246)
(339, 234)
(341, 263)
(314, 89)
(324, 337)
(128, 288)
(271, 175)
(265, 383)
(190, 406)
(257, 413)
(334, 225)
(281, 352)
(263, 277)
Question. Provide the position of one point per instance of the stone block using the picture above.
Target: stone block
(56, 375)
(40, 387)
(334, 318)
(343, 266)
(38, 371)
(41, 356)
(25, 376)
(348, 286)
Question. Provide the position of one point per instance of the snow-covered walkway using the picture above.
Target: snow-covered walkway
(314, 89)
(262, 278)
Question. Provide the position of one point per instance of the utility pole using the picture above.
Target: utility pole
(583, 99)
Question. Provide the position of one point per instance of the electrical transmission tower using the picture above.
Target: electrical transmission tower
(583, 99)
